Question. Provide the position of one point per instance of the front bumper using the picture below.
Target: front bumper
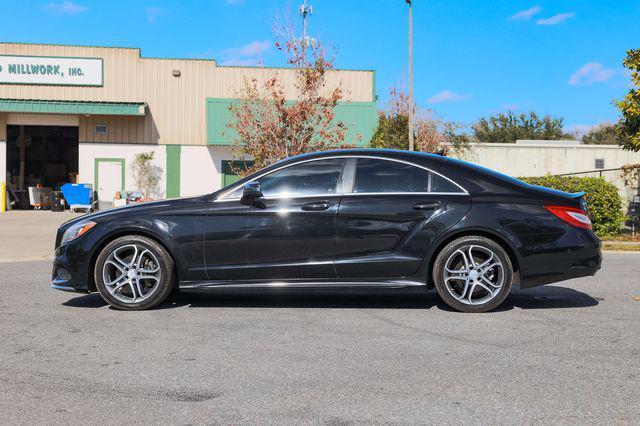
(70, 268)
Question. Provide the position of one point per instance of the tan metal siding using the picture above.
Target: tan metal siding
(119, 129)
(176, 105)
(42, 120)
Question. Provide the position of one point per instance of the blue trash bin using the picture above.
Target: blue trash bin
(79, 196)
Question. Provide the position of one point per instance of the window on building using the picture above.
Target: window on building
(101, 129)
(599, 163)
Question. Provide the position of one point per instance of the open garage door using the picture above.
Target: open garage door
(41, 155)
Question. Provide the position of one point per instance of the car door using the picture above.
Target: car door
(395, 209)
(225, 239)
(291, 230)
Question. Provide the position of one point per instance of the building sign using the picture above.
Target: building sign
(57, 71)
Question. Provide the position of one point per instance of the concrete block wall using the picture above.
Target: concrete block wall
(550, 157)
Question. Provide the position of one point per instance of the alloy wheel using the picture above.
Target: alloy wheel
(473, 274)
(131, 273)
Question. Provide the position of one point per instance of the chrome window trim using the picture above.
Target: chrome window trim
(347, 157)
(403, 193)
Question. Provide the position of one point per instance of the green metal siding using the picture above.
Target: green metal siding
(229, 176)
(218, 115)
(71, 107)
(173, 170)
(361, 119)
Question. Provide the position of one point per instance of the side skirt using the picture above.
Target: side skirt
(298, 284)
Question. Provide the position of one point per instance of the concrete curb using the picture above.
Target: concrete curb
(25, 259)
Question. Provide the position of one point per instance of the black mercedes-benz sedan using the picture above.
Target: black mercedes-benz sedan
(349, 219)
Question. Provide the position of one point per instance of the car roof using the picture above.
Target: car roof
(377, 152)
(472, 177)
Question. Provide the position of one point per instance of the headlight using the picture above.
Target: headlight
(76, 231)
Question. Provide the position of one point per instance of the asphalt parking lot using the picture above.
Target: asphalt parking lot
(567, 353)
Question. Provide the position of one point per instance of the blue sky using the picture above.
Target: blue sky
(472, 58)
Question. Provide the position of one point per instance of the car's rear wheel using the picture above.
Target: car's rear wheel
(473, 274)
(134, 273)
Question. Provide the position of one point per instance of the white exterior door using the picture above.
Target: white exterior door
(109, 180)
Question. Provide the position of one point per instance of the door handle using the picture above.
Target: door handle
(316, 206)
(427, 206)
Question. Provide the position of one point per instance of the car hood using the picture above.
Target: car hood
(136, 208)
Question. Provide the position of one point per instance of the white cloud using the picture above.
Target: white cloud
(153, 13)
(255, 48)
(525, 15)
(64, 8)
(510, 107)
(579, 130)
(447, 96)
(207, 54)
(248, 62)
(250, 54)
(556, 19)
(592, 72)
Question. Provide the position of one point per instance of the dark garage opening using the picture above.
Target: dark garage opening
(50, 155)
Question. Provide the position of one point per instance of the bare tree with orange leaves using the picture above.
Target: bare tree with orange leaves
(270, 127)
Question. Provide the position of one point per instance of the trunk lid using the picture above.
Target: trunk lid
(573, 199)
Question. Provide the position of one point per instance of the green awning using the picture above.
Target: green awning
(72, 107)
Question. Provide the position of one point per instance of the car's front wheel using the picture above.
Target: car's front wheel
(134, 273)
(473, 274)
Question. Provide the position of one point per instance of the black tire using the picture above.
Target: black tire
(451, 253)
(165, 266)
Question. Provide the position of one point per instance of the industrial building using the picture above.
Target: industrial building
(81, 114)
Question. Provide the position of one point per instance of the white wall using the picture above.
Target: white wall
(538, 159)
(88, 152)
(201, 169)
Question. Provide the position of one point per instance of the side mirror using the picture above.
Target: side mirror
(251, 192)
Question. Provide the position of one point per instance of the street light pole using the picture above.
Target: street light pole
(411, 143)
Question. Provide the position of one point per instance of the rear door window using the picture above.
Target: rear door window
(381, 176)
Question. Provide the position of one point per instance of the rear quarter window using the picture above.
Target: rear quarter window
(440, 184)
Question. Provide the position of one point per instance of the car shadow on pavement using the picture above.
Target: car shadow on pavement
(549, 297)
(300, 299)
(546, 297)
(92, 300)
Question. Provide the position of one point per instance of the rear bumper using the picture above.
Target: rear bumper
(562, 263)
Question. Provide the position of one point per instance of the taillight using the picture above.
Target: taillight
(571, 215)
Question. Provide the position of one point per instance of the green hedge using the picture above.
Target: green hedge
(605, 204)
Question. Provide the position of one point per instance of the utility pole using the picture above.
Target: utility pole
(411, 143)
(304, 41)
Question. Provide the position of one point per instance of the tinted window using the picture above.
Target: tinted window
(389, 176)
(310, 178)
(440, 184)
